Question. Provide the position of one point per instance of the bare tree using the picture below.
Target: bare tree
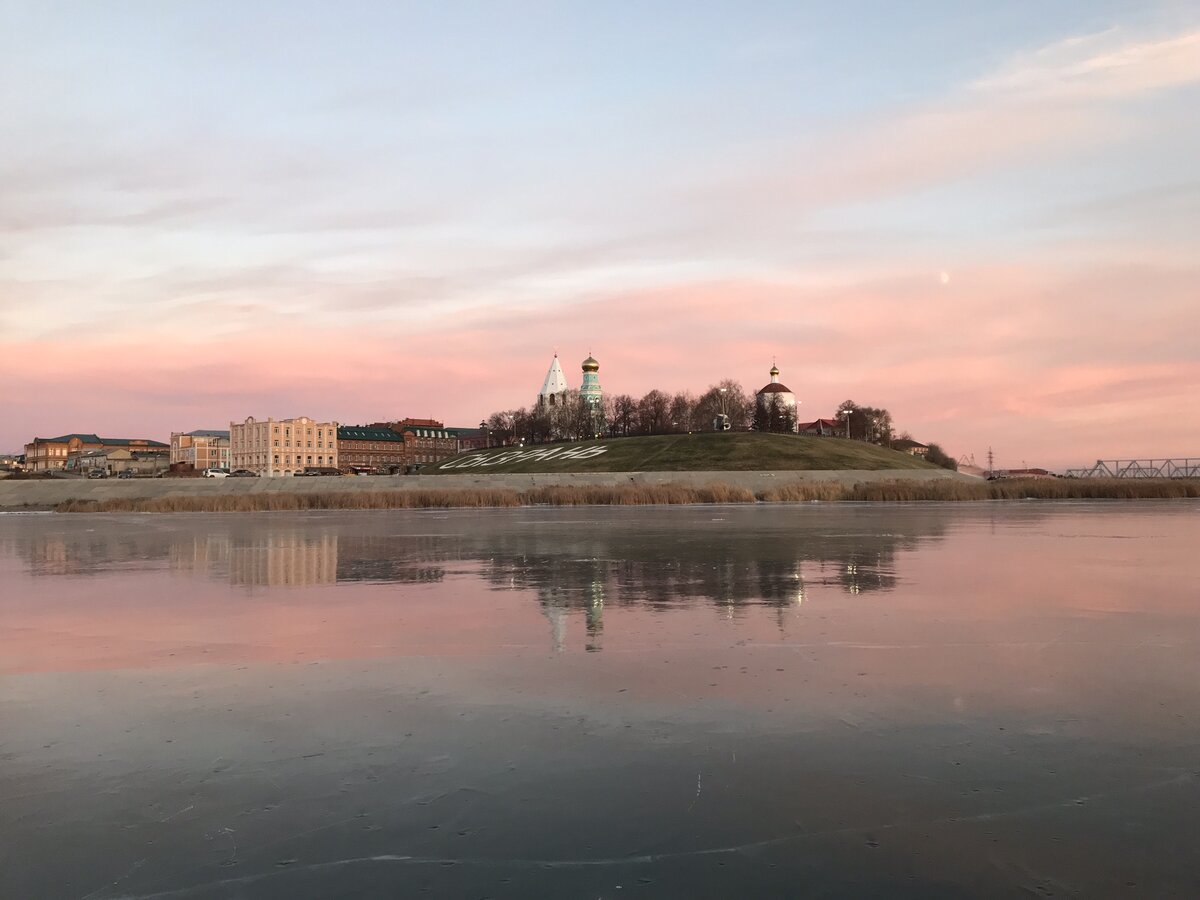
(682, 411)
(624, 415)
(652, 413)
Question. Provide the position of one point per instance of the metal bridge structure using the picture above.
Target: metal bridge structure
(1180, 467)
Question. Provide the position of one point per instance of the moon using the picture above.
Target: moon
(944, 277)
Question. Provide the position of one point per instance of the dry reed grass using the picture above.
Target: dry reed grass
(635, 495)
(657, 494)
(282, 501)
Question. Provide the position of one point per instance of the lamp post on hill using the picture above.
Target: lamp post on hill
(487, 442)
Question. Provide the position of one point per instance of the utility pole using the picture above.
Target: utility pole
(991, 461)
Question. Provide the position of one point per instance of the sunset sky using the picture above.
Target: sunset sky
(983, 216)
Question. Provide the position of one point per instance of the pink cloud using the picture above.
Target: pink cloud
(999, 357)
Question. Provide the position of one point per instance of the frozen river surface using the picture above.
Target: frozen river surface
(895, 701)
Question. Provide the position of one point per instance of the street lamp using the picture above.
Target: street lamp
(486, 437)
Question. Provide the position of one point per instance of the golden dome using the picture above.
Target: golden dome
(774, 370)
(590, 365)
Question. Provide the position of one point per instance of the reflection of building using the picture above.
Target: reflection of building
(282, 446)
(288, 559)
(197, 450)
(554, 388)
(48, 454)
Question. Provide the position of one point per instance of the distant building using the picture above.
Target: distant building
(11, 462)
(429, 445)
(425, 441)
(197, 450)
(371, 447)
(591, 394)
(915, 448)
(53, 454)
(775, 392)
(115, 460)
(1022, 473)
(282, 446)
(554, 388)
(472, 438)
(822, 428)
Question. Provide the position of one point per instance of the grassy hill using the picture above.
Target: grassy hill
(702, 452)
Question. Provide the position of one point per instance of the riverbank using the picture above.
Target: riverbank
(939, 490)
(50, 493)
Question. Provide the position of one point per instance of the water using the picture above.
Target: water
(900, 701)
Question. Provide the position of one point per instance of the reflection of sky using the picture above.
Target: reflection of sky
(235, 588)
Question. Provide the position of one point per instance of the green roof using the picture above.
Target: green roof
(357, 433)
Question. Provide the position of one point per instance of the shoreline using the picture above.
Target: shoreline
(661, 490)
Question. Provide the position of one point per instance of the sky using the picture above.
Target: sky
(984, 217)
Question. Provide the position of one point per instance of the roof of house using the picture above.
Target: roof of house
(816, 423)
(368, 433)
(96, 439)
(206, 432)
(467, 432)
(906, 444)
(430, 432)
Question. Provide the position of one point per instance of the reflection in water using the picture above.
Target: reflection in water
(572, 569)
(866, 701)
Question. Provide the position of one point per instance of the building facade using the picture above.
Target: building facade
(422, 441)
(371, 447)
(55, 454)
(198, 450)
(115, 460)
(277, 447)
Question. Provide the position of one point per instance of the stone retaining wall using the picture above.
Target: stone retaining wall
(43, 494)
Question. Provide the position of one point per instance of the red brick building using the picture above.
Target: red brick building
(395, 446)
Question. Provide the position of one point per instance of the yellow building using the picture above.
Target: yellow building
(282, 446)
(49, 454)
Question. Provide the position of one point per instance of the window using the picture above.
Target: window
(310, 460)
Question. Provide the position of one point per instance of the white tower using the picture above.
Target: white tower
(554, 388)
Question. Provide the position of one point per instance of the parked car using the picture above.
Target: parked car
(127, 473)
(97, 473)
(320, 470)
(216, 473)
(243, 473)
